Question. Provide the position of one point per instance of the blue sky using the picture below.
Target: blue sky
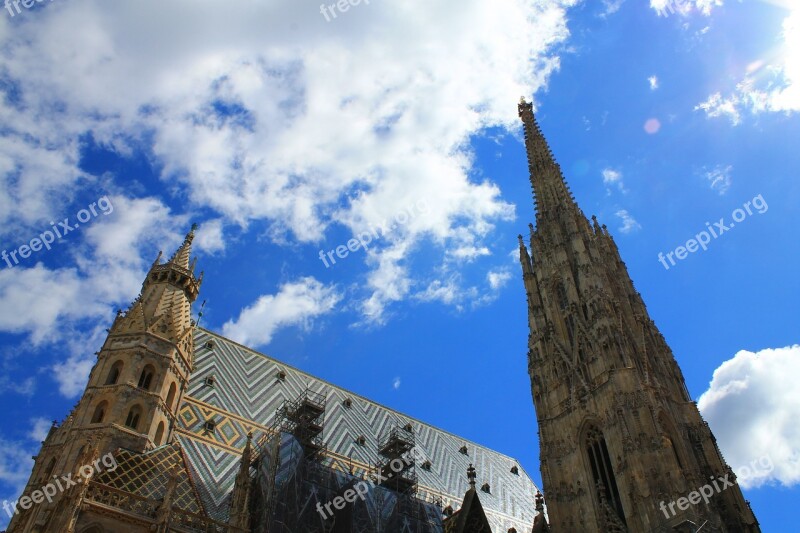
(282, 134)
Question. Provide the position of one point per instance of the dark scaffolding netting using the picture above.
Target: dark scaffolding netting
(289, 485)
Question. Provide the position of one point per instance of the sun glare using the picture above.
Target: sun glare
(791, 53)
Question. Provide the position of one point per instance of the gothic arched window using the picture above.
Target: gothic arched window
(114, 373)
(146, 377)
(171, 395)
(159, 434)
(99, 412)
(602, 472)
(132, 421)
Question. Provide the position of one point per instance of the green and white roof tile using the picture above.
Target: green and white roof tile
(248, 387)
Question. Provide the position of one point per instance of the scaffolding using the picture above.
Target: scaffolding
(395, 468)
(296, 477)
(287, 465)
(303, 418)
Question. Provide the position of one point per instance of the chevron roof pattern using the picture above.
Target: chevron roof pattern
(247, 388)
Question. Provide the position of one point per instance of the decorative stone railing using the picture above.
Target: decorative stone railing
(185, 521)
(179, 520)
(132, 503)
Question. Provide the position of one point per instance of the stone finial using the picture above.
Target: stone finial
(471, 475)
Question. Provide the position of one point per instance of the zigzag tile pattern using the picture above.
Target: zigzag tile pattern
(230, 431)
(213, 471)
(249, 387)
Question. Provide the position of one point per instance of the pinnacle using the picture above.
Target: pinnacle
(181, 256)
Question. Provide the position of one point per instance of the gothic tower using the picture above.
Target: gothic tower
(621, 439)
(133, 392)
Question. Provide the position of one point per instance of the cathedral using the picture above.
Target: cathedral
(207, 435)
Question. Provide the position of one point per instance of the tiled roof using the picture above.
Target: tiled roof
(147, 475)
(248, 387)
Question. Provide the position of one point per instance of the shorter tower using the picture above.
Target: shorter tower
(134, 388)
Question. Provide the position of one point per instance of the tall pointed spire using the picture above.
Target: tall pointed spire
(551, 193)
(603, 380)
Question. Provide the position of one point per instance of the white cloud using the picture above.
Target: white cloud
(254, 119)
(210, 237)
(447, 292)
(47, 303)
(613, 177)
(40, 427)
(629, 223)
(15, 465)
(684, 7)
(71, 371)
(719, 178)
(135, 224)
(295, 304)
(498, 278)
(32, 299)
(388, 282)
(752, 404)
(72, 374)
(768, 86)
(69, 307)
(611, 7)
(26, 387)
(653, 81)
(396, 383)
(16, 461)
(470, 253)
(717, 106)
(452, 291)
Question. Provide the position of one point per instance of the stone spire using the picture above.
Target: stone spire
(182, 255)
(164, 305)
(553, 200)
(180, 268)
(241, 488)
(607, 390)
